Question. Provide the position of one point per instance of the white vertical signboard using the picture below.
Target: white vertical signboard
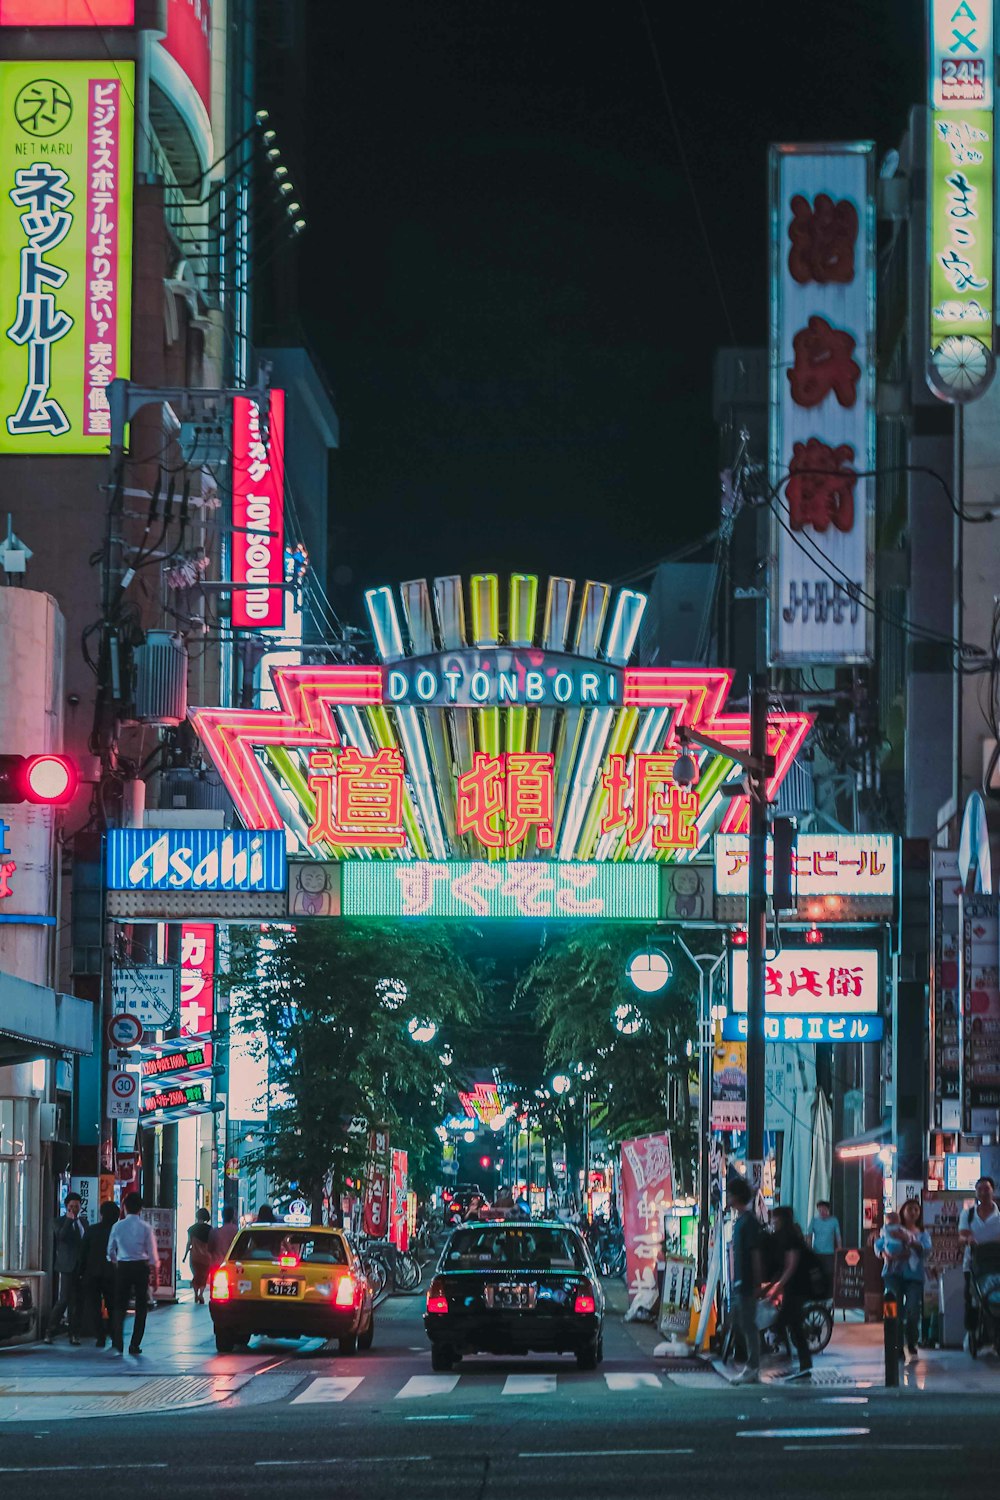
(822, 401)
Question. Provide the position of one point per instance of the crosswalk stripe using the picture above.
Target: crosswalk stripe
(529, 1385)
(697, 1380)
(329, 1388)
(427, 1385)
(638, 1380)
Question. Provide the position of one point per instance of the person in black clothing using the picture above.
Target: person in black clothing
(792, 1287)
(97, 1277)
(747, 1237)
(69, 1245)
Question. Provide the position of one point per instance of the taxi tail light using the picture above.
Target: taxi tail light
(8, 1297)
(346, 1292)
(437, 1302)
(584, 1303)
(220, 1286)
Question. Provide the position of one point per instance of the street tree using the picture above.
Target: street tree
(643, 1075)
(338, 1010)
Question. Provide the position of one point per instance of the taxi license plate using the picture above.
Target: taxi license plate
(510, 1296)
(282, 1289)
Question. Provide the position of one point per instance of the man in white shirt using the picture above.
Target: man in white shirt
(978, 1225)
(132, 1251)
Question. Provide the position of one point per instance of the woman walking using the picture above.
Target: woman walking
(199, 1253)
(904, 1245)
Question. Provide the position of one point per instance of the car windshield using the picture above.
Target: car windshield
(534, 1247)
(307, 1246)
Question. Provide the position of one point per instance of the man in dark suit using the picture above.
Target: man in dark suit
(69, 1248)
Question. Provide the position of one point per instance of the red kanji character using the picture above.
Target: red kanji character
(845, 981)
(820, 487)
(481, 799)
(362, 804)
(670, 815)
(773, 982)
(823, 364)
(517, 787)
(804, 979)
(530, 795)
(823, 235)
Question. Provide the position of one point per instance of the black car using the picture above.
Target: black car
(515, 1287)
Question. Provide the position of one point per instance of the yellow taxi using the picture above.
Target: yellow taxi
(284, 1281)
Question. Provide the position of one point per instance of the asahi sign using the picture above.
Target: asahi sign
(195, 859)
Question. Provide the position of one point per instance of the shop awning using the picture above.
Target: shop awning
(875, 1137)
(36, 1021)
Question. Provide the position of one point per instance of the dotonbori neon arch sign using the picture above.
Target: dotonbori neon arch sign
(485, 733)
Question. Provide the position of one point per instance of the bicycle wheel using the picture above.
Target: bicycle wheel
(407, 1273)
(817, 1324)
(378, 1279)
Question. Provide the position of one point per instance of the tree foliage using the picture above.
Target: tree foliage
(327, 1003)
(644, 1079)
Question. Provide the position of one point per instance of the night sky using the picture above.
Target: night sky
(504, 276)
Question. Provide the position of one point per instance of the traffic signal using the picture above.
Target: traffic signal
(486, 1163)
(50, 780)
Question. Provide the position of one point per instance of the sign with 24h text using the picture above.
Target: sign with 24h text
(66, 144)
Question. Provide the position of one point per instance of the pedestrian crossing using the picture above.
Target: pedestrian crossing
(336, 1388)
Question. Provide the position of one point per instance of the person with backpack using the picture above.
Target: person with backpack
(795, 1284)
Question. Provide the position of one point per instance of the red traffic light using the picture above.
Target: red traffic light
(47, 780)
(485, 1162)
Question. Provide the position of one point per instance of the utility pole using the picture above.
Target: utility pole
(756, 924)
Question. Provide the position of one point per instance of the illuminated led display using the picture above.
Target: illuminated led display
(177, 1098)
(177, 1062)
(67, 12)
(65, 251)
(467, 888)
(498, 678)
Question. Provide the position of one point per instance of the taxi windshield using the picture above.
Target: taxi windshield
(305, 1245)
(533, 1247)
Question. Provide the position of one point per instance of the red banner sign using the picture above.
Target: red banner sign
(375, 1208)
(398, 1231)
(647, 1191)
(67, 12)
(189, 43)
(197, 979)
(258, 514)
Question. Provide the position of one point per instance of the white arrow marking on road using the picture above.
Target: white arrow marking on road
(427, 1385)
(529, 1385)
(637, 1381)
(329, 1388)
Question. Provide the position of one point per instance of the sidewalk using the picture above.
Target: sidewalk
(177, 1369)
(854, 1359)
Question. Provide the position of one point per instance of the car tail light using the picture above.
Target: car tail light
(584, 1303)
(437, 1302)
(345, 1292)
(289, 1260)
(8, 1297)
(220, 1287)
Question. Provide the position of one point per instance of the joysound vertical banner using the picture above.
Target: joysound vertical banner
(822, 400)
(258, 513)
(66, 144)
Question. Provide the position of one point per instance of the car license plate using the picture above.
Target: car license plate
(510, 1296)
(282, 1289)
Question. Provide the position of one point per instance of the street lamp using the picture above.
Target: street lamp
(391, 992)
(649, 970)
(421, 1029)
(707, 965)
(561, 1084)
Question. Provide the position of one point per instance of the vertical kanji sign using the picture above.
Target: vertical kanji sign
(375, 1206)
(822, 429)
(647, 1190)
(197, 979)
(259, 513)
(66, 152)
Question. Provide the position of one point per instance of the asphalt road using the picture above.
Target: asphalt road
(313, 1423)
